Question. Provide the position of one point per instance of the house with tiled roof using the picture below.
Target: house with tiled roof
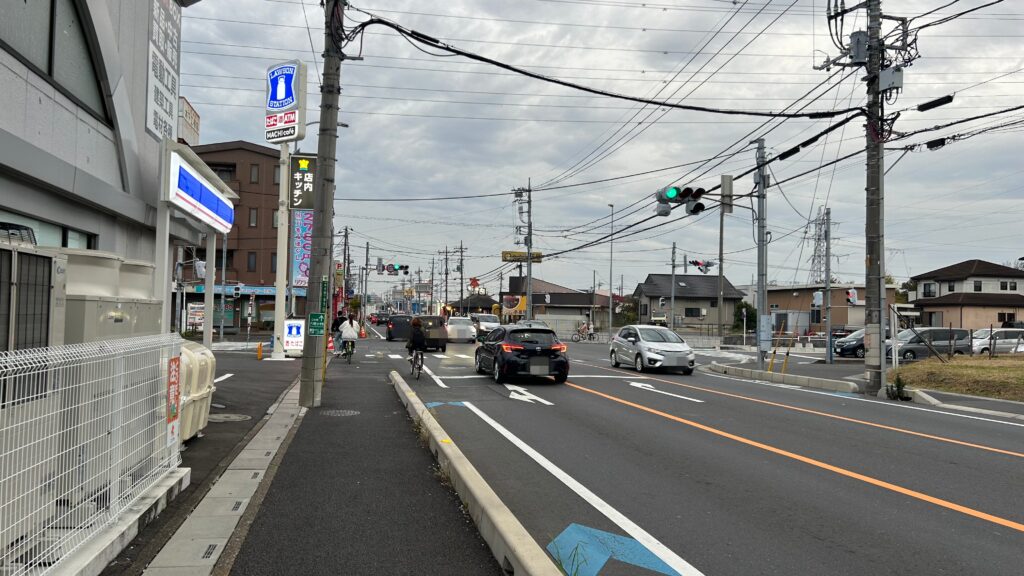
(971, 294)
(696, 298)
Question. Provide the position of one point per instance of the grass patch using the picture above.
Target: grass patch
(999, 377)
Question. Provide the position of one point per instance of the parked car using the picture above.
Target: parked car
(399, 327)
(646, 347)
(913, 343)
(461, 329)
(435, 332)
(999, 340)
(659, 318)
(382, 318)
(484, 323)
(509, 351)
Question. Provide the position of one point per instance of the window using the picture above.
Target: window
(251, 263)
(714, 303)
(692, 312)
(274, 221)
(277, 174)
(773, 306)
(273, 262)
(977, 285)
(254, 173)
(48, 234)
(27, 30)
(951, 287)
(253, 217)
(929, 290)
(1004, 285)
(1013, 285)
(816, 316)
(643, 309)
(225, 172)
(1007, 316)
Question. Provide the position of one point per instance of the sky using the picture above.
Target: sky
(422, 126)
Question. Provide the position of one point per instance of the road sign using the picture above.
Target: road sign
(323, 293)
(316, 324)
(514, 256)
(293, 334)
(300, 189)
(286, 102)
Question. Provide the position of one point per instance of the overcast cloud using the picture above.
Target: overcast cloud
(962, 201)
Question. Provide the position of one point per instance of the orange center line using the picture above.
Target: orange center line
(834, 416)
(817, 463)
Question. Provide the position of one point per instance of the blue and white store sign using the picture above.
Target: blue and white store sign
(286, 102)
(193, 194)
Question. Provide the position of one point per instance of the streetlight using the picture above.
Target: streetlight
(611, 275)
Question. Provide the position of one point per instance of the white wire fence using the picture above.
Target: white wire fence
(85, 430)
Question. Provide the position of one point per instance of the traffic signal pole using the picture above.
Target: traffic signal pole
(314, 350)
(764, 315)
(828, 285)
(672, 289)
(529, 252)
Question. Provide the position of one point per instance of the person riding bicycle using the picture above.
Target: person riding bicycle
(349, 332)
(417, 339)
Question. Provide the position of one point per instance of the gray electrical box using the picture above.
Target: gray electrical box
(32, 296)
(890, 79)
(859, 47)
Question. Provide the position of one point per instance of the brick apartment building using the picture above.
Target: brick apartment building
(253, 172)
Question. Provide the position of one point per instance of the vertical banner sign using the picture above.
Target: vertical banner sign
(173, 399)
(164, 59)
(300, 194)
(286, 102)
(302, 243)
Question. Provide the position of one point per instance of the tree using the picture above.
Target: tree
(1018, 264)
(737, 317)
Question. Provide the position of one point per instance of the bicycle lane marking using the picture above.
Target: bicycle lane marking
(434, 376)
(682, 567)
(816, 463)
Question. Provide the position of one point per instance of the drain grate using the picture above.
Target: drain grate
(229, 417)
(339, 412)
(237, 506)
(209, 551)
(255, 475)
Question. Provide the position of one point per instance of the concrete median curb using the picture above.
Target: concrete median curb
(791, 379)
(516, 551)
(922, 397)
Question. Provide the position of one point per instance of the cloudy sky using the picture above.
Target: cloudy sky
(427, 126)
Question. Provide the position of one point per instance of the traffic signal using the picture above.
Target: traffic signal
(703, 265)
(694, 204)
(851, 296)
(661, 302)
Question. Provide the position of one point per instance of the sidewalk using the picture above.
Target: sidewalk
(356, 493)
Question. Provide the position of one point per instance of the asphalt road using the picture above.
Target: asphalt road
(707, 474)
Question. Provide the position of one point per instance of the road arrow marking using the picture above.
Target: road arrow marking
(520, 393)
(584, 551)
(223, 378)
(441, 356)
(649, 388)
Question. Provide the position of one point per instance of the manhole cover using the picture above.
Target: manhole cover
(339, 412)
(229, 417)
(218, 406)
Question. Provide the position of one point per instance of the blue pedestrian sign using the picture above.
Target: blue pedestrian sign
(294, 335)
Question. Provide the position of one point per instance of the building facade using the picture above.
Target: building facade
(84, 116)
(797, 309)
(696, 299)
(972, 294)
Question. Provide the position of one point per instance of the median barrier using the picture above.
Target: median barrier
(791, 379)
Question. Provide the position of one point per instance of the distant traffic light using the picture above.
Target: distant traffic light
(661, 302)
(703, 265)
(851, 296)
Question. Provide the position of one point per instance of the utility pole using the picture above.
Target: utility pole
(672, 292)
(419, 280)
(764, 315)
(593, 301)
(874, 313)
(721, 275)
(344, 275)
(828, 285)
(366, 284)
(431, 311)
(529, 250)
(314, 349)
(462, 280)
(611, 272)
(281, 276)
(446, 275)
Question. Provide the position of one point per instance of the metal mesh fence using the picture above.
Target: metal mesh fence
(83, 434)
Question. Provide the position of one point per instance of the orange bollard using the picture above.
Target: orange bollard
(259, 350)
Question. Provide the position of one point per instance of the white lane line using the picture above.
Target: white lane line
(650, 388)
(465, 377)
(656, 547)
(395, 356)
(463, 356)
(441, 356)
(369, 355)
(575, 376)
(434, 376)
(223, 378)
(375, 331)
(892, 405)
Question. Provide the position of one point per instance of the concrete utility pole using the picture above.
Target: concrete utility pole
(529, 251)
(431, 285)
(321, 253)
(721, 275)
(764, 315)
(344, 275)
(462, 280)
(366, 284)
(445, 275)
(874, 313)
(611, 272)
(281, 276)
(672, 293)
(828, 285)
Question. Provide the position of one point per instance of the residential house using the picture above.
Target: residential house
(696, 299)
(797, 310)
(554, 303)
(971, 294)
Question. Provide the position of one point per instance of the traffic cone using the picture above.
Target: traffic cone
(362, 331)
(330, 344)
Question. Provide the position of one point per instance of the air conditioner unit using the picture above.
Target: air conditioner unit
(32, 301)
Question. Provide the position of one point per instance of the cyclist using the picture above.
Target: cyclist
(349, 332)
(417, 339)
(336, 332)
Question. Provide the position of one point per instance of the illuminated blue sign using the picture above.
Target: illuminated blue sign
(195, 195)
(282, 92)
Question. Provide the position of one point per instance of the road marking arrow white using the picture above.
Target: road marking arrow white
(648, 387)
(520, 393)
(223, 378)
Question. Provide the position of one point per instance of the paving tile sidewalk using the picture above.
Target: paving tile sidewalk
(357, 493)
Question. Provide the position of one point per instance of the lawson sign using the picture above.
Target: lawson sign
(192, 193)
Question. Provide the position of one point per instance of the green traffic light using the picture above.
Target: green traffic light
(672, 193)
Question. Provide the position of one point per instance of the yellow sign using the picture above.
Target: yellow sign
(513, 256)
(513, 305)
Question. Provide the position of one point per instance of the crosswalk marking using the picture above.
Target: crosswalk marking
(395, 356)
(439, 356)
(463, 356)
(369, 355)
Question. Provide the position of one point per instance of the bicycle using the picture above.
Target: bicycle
(579, 335)
(348, 350)
(417, 363)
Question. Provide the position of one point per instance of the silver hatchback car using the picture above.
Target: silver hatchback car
(647, 347)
